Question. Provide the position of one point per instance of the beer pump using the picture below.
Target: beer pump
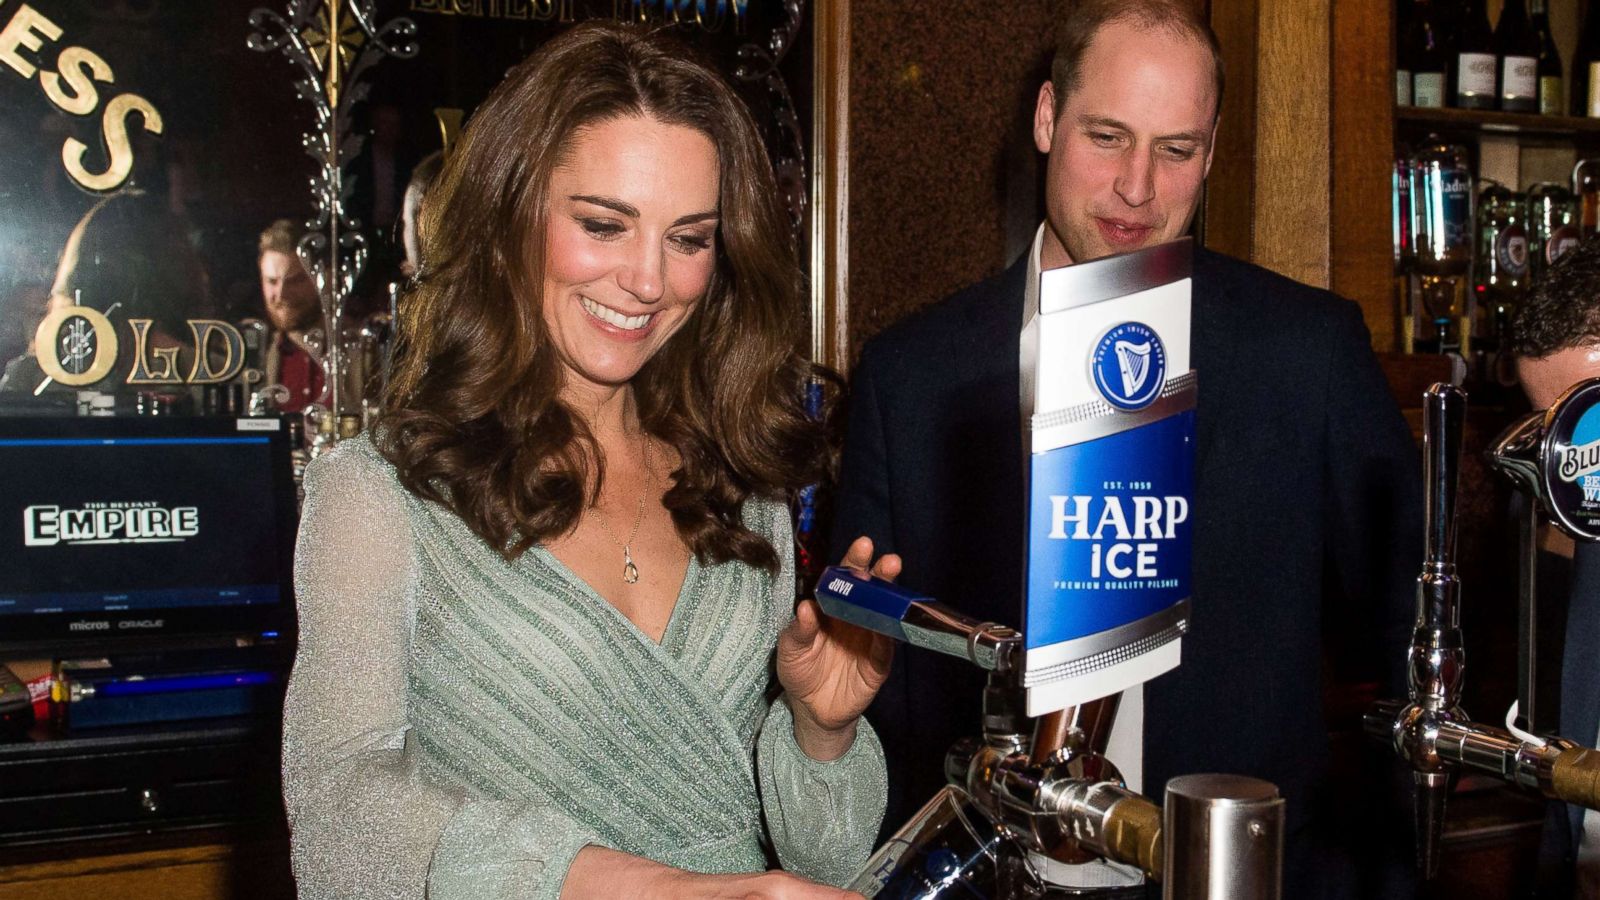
(1045, 787)
(1554, 457)
(1107, 399)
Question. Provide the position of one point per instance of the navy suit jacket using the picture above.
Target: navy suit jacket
(1307, 504)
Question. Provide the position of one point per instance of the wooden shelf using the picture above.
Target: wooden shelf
(1494, 122)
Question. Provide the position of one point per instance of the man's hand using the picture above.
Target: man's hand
(831, 670)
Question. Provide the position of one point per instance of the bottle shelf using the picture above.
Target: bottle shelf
(1488, 121)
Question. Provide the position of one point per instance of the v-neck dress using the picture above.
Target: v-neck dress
(460, 726)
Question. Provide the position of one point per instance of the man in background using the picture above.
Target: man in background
(293, 309)
(1307, 494)
(1556, 340)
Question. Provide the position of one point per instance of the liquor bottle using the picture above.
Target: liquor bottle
(1502, 252)
(1442, 196)
(1500, 277)
(1581, 87)
(1586, 184)
(1550, 71)
(1423, 48)
(1401, 195)
(1473, 66)
(1516, 48)
(1552, 224)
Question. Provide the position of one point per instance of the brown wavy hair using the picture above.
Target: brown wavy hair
(472, 418)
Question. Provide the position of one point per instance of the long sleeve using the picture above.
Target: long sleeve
(366, 822)
(822, 816)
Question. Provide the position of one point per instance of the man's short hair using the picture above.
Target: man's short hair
(1081, 20)
(282, 236)
(1562, 307)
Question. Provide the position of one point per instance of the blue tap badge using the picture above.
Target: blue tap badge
(1110, 531)
(1129, 366)
(1108, 402)
(1572, 461)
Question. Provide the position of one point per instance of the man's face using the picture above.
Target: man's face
(1130, 147)
(290, 295)
(1545, 378)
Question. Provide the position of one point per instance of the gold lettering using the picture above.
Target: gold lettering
(508, 9)
(425, 5)
(25, 30)
(93, 326)
(449, 126)
(203, 331)
(142, 373)
(118, 147)
(80, 69)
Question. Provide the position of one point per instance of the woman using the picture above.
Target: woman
(539, 607)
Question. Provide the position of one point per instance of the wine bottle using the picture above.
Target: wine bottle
(1550, 71)
(1473, 67)
(1516, 50)
(1586, 68)
(1425, 50)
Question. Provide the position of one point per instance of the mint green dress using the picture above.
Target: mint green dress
(459, 726)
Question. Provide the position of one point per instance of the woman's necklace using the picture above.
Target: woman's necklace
(630, 572)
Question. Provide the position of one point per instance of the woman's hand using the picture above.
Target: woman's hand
(830, 669)
(600, 872)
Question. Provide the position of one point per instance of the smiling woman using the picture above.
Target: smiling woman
(540, 606)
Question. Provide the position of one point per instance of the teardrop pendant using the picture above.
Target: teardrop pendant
(630, 572)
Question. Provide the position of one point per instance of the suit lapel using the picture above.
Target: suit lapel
(986, 350)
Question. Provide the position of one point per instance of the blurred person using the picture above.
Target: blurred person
(294, 310)
(1556, 342)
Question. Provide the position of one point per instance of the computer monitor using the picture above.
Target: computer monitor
(143, 532)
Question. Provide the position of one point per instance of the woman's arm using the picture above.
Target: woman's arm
(820, 766)
(366, 822)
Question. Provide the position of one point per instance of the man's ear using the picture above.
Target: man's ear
(1211, 148)
(1044, 118)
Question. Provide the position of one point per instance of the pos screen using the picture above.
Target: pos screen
(143, 529)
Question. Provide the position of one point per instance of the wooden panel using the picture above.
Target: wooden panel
(1361, 238)
(1292, 140)
(1230, 191)
(938, 99)
(830, 188)
(207, 872)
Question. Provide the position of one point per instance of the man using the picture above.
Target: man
(1307, 496)
(1556, 339)
(293, 309)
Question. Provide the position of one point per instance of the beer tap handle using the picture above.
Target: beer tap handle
(1444, 417)
(854, 596)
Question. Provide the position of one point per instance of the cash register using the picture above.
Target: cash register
(146, 564)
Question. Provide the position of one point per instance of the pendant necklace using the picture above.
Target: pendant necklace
(630, 572)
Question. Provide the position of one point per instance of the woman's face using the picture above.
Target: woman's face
(630, 244)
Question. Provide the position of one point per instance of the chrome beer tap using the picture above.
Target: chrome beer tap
(1047, 787)
(1430, 732)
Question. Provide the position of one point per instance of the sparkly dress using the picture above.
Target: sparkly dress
(458, 726)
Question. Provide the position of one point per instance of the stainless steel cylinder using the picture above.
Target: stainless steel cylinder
(1223, 839)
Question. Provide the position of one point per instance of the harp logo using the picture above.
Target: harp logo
(1129, 365)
